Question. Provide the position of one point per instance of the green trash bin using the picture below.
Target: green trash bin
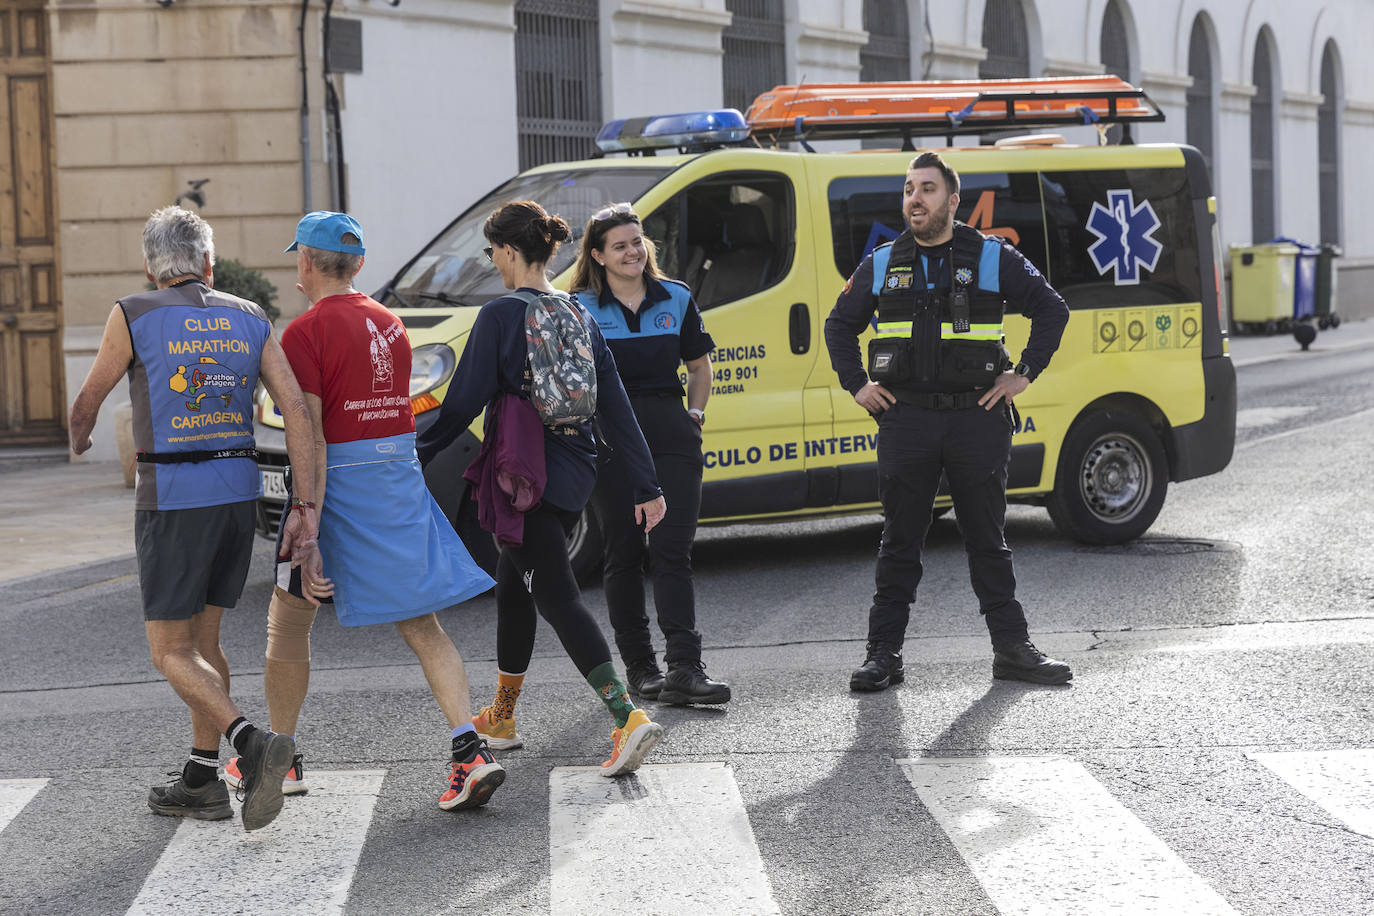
(1325, 305)
(1262, 278)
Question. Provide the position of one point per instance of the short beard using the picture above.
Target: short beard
(937, 224)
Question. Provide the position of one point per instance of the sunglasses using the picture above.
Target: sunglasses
(615, 210)
(487, 251)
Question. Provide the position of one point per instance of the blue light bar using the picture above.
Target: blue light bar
(693, 129)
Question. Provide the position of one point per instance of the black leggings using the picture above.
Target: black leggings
(538, 574)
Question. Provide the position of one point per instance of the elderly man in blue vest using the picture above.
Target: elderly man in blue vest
(941, 384)
(193, 357)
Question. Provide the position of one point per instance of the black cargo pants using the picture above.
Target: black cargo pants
(972, 446)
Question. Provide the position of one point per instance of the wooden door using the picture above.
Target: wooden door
(32, 400)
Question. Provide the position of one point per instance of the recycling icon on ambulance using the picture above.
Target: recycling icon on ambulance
(1124, 242)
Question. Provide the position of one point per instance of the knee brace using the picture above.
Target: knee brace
(288, 627)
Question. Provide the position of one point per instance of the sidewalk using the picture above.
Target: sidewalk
(55, 514)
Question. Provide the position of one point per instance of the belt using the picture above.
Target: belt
(179, 457)
(939, 400)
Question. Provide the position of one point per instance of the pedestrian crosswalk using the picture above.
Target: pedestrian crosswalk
(303, 863)
(1038, 834)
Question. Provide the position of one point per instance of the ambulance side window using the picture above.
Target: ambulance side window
(1122, 237)
(728, 236)
(865, 212)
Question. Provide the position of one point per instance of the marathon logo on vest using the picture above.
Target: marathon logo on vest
(206, 378)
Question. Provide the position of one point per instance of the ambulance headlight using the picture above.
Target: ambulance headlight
(431, 366)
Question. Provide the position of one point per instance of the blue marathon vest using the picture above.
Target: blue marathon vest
(195, 368)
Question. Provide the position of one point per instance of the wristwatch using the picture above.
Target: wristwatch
(697, 414)
(1023, 370)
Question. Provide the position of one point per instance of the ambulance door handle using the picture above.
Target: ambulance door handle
(799, 327)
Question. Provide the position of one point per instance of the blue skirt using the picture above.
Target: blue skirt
(385, 542)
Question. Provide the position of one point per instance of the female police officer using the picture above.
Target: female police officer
(652, 326)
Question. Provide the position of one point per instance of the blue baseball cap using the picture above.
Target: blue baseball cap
(325, 229)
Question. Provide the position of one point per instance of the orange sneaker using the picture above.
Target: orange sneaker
(293, 784)
(471, 783)
(499, 733)
(631, 744)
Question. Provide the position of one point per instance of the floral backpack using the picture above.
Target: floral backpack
(559, 350)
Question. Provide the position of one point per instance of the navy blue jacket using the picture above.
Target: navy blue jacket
(494, 363)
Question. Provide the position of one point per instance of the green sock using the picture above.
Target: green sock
(611, 688)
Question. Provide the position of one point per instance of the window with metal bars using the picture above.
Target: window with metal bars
(557, 79)
(1116, 49)
(1262, 144)
(1328, 150)
(755, 50)
(1199, 119)
(1004, 36)
(887, 56)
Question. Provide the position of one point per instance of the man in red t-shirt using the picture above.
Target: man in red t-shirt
(389, 554)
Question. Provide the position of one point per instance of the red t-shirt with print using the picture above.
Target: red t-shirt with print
(353, 353)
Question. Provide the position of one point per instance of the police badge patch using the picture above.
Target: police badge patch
(963, 276)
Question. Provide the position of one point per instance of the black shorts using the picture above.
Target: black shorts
(188, 558)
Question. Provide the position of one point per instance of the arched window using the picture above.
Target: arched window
(1116, 47)
(1200, 93)
(1262, 227)
(1004, 36)
(887, 56)
(557, 79)
(1328, 148)
(754, 50)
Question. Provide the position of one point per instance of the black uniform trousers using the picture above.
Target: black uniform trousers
(674, 440)
(972, 446)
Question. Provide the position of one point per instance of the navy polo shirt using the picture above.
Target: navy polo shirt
(648, 345)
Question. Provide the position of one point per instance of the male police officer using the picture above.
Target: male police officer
(940, 384)
(193, 356)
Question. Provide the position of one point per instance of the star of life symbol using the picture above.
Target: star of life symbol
(1124, 242)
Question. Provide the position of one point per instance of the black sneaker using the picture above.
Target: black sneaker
(263, 765)
(687, 683)
(210, 802)
(644, 679)
(1023, 662)
(881, 669)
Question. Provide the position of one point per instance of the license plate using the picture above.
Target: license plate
(274, 484)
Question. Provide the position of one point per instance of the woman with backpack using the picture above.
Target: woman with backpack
(536, 573)
(652, 326)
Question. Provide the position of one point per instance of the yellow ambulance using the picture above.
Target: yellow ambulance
(766, 230)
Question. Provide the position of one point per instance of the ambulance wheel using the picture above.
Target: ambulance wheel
(585, 546)
(1111, 479)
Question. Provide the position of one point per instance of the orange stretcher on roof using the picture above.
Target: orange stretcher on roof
(833, 110)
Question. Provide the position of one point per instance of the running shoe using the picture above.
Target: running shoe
(293, 784)
(210, 802)
(470, 783)
(262, 767)
(499, 733)
(631, 744)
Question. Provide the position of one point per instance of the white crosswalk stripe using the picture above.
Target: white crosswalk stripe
(301, 863)
(15, 794)
(1043, 836)
(681, 830)
(1340, 782)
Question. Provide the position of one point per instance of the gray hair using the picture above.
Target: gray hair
(337, 265)
(175, 243)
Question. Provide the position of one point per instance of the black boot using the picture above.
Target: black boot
(881, 669)
(1023, 662)
(644, 679)
(687, 683)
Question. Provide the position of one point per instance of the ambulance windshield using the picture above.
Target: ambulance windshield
(453, 270)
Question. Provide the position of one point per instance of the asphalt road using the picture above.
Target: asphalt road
(1242, 624)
